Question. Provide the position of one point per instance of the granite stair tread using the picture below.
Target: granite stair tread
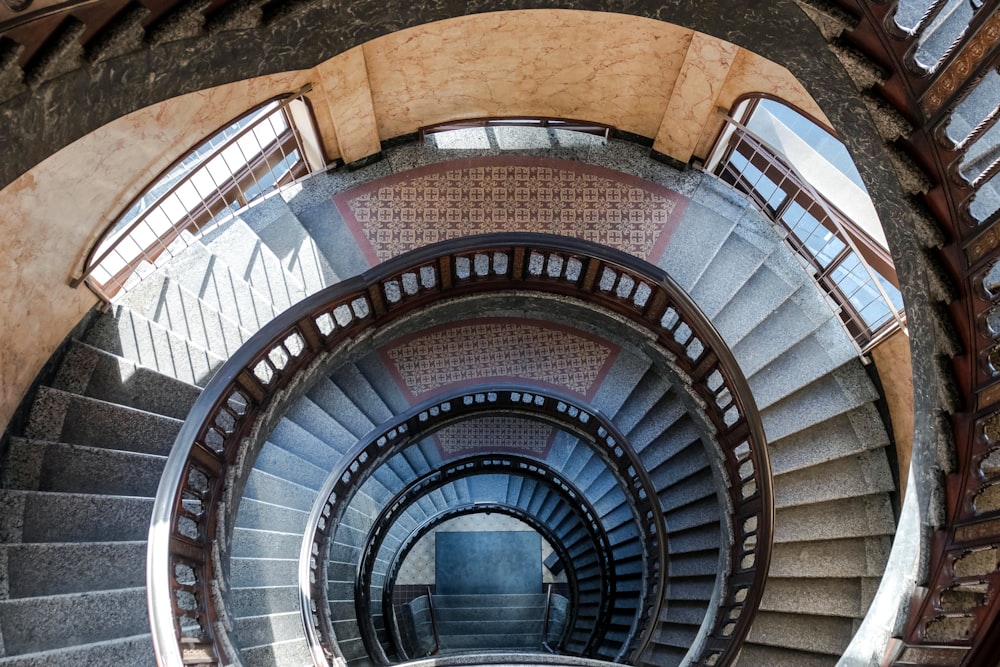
(163, 300)
(139, 339)
(59, 416)
(255, 262)
(208, 276)
(41, 567)
(59, 621)
(34, 465)
(274, 222)
(96, 373)
(134, 650)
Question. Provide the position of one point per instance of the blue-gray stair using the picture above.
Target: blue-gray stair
(78, 488)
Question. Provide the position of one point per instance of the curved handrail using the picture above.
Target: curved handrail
(181, 574)
(468, 466)
(426, 419)
(420, 531)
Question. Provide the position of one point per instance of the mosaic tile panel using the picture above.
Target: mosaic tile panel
(458, 198)
(493, 434)
(500, 350)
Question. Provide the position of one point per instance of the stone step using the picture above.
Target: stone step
(858, 516)
(699, 513)
(733, 264)
(267, 629)
(337, 404)
(34, 465)
(795, 318)
(208, 277)
(804, 632)
(669, 411)
(843, 390)
(264, 600)
(688, 462)
(822, 597)
(290, 653)
(256, 543)
(134, 651)
(701, 232)
(280, 230)
(268, 488)
(626, 371)
(283, 464)
(263, 572)
(855, 475)
(759, 297)
(266, 516)
(59, 621)
(810, 359)
(848, 557)
(59, 416)
(36, 570)
(753, 655)
(383, 382)
(92, 372)
(166, 302)
(73, 517)
(845, 434)
(357, 388)
(641, 400)
(254, 261)
(130, 335)
(323, 222)
(322, 425)
(294, 439)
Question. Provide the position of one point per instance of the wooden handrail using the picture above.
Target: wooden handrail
(185, 513)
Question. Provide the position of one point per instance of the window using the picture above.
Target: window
(251, 158)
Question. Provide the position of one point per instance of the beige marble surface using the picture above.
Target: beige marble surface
(593, 66)
(695, 95)
(348, 102)
(751, 73)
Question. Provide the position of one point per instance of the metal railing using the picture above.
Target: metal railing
(820, 234)
(546, 619)
(434, 623)
(245, 163)
(542, 122)
(182, 576)
(484, 464)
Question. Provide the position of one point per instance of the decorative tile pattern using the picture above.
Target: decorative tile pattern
(499, 349)
(491, 434)
(458, 198)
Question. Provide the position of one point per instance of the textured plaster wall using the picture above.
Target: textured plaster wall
(638, 74)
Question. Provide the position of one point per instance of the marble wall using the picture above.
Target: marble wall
(641, 75)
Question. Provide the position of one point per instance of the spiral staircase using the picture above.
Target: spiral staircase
(78, 480)
(78, 484)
